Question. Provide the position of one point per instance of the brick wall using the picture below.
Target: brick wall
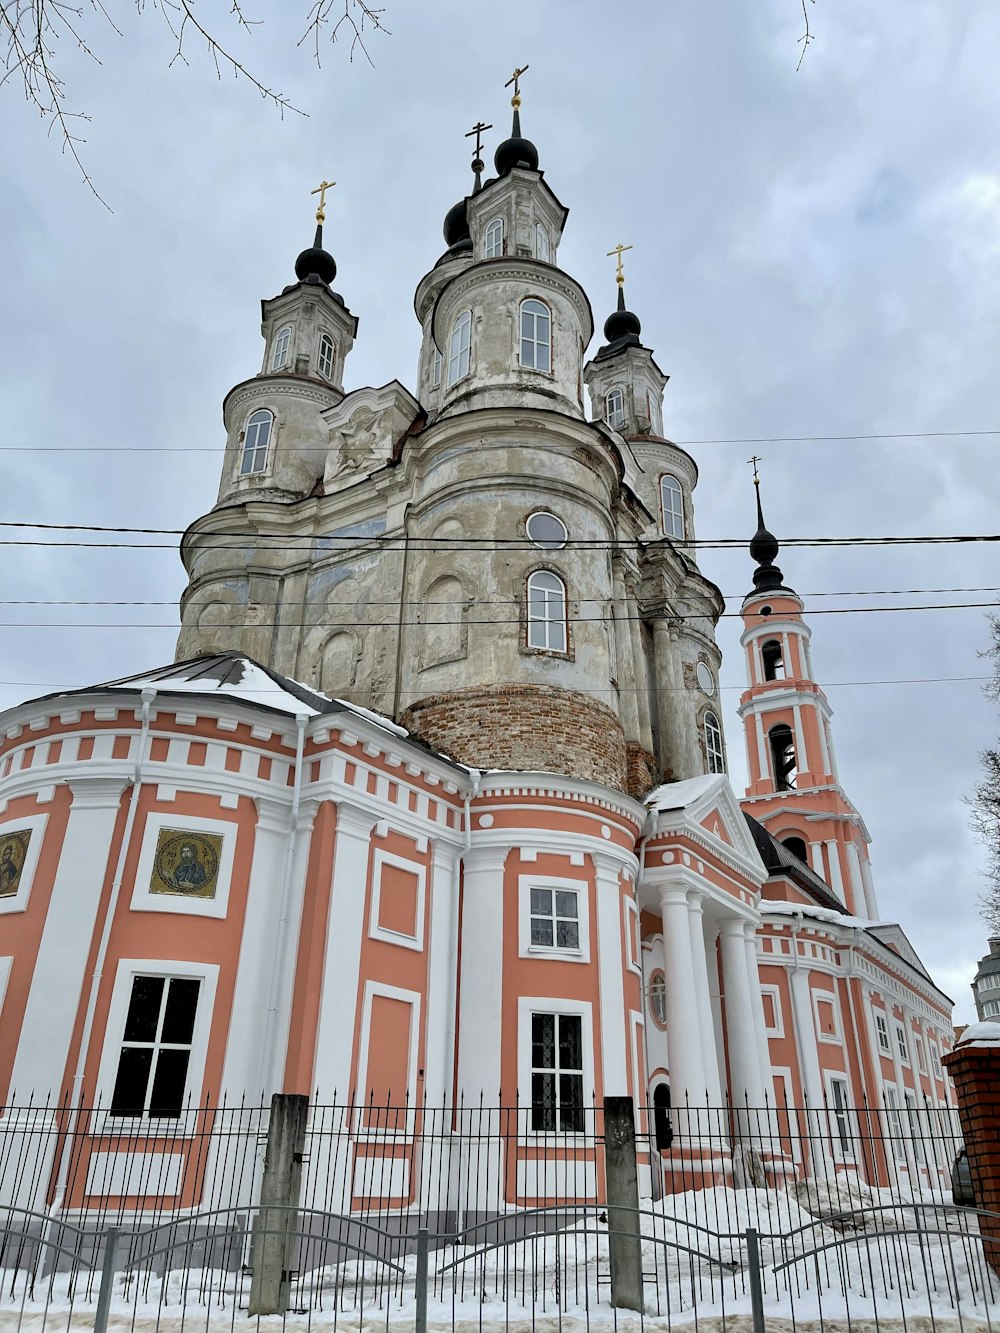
(527, 727)
(975, 1071)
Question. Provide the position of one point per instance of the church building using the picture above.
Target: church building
(432, 806)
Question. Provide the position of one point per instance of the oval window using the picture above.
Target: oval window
(706, 680)
(547, 531)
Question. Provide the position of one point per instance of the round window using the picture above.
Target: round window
(545, 530)
(706, 681)
(658, 998)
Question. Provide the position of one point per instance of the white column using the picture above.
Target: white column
(866, 879)
(824, 749)
(832, 752)
(687, 1073)
(60, 981)
(858, 904)
(746, 1084)
(802, 755)
(762, 756)
(836, 878)
(442, 901)
(342, 964)
(816, 859)
(701, 1004)
(614, 1027)
(481, 995)
(763, 1045)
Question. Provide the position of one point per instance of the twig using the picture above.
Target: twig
(806, 37)
(355, 15)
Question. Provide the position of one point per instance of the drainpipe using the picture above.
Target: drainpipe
(148, 695)
(449, 1046)
(277, 970)
(650, 1134)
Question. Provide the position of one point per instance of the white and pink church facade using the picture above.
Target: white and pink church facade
(487, 850)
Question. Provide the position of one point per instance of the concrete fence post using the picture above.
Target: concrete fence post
(621, 1175)
(276, 1238)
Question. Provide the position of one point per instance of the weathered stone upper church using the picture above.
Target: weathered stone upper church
(433, 802)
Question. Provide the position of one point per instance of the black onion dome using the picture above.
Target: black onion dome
(456, 225)
(621, 323)
(767, 577)
(316, 264)
(515, 151)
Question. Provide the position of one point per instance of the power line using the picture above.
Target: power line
(325, 448)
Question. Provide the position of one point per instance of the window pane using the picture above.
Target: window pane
(543, 1041)
(541, 902)
(144, 1009)
(167, 1097)
(571, 1103)
(541, 931)
(129, 1096)
(567, 935)
(570, 1042)
(182, 1001)
(566, 903)
(543, 1101)
(546, 530)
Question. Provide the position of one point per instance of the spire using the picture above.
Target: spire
(516, 151)
(316, 264)
(622, 327)
(478, 165)
(764, 546)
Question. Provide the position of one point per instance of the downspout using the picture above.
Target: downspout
(277, 969)
(148, 695)
(449, 1047)
(650, 1125)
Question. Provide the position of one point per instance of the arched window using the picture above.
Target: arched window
(546, 611)
(614, 409)
(773, 659)
(494, 239)
(797, 847)
(326, 356)
(663, 1131)
(672, 504)
(282, 345)
(713, 744)
(536, 335)
(541, 243)
(658, 998)
(460, 347)
(256, 441)
(783, 762)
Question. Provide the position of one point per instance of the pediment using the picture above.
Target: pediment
(707, 808)
(364, 429)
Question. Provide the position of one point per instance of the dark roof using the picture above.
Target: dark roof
(778, 860)
(989, 965)
(222, 672)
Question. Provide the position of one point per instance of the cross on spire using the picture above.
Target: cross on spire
(618, 251)
(478, 130)
(515, 79)
(753, 463)
(321, 190)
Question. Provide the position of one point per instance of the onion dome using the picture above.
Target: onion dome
(515, 151)
(316, 264)
(621, 325)
(456, 229)
(764, 547)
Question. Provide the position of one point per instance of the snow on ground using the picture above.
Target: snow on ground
(901, 1262)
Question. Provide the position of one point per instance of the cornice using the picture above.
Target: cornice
(514, 269)
(287, 382)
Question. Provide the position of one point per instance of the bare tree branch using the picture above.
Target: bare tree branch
(355, 14)
(807, 36)
(984, 802)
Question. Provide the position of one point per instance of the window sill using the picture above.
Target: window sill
(554, 953)
(566, 655)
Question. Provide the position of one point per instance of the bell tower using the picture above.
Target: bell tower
(794, 786)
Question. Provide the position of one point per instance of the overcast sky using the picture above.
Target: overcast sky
(817, 253)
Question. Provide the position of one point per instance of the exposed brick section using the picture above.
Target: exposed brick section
(527, 727)
(975, 1071)
(640, 769)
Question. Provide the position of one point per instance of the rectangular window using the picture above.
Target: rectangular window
(913, 1120)
(156, 1047)
(436, 361)
(895, 1122)
(557, 1072)
(921, 1057)
(901, 1044)
(555, 918)
(541, 243)
(882, 1028)
(841, 1128)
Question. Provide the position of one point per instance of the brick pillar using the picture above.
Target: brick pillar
(975, 1071)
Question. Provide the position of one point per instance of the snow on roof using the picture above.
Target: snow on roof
(770, 908)
(678, 795)
(981, 1035)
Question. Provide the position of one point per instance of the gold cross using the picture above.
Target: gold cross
(515, 79)
(753, 463)
(321, 190)
(477, 130)
(619, 250)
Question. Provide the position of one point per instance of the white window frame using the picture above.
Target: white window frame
(714, 749)
(779, 1019)
(526, 949)
(178, 904)
(543, 248)
(460, 348)
(834, 1110)
(894, 1115)
(494, 237)
(255, 447)
(922, 1064)
(902, 1049)
(820, 996)
(114, 1031)
(281, 347)
(380, 859)
(330, 362)
(437, 364)
(35, 824)
(882, 1033)
(672, 516)
(614, 412)
(633, 941)
(536, 343)
(658, 1023)
(550, 599)
(542, 1004)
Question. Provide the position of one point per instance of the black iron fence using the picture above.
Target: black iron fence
(442, 1215)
